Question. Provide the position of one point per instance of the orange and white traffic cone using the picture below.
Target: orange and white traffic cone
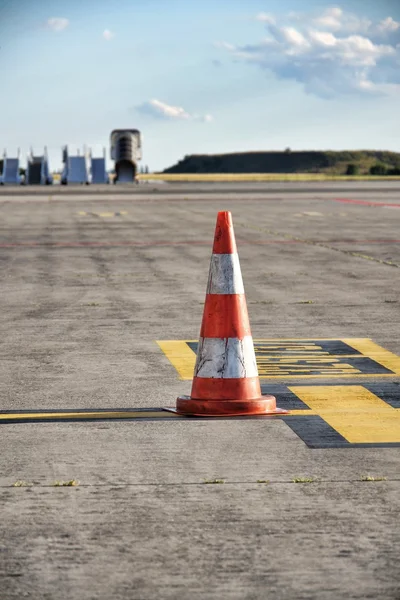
(226, 381)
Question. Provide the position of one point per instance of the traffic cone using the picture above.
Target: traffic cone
(226, 381)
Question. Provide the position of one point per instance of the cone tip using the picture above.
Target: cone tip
(224, 239)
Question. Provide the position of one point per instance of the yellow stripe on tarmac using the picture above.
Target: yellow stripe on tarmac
(280, 367)
(110, 415)
(84, 415)
(180, 355)
(107, 214)
(353, 411)
(368, 348)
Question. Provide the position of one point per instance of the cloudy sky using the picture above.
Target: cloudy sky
(200, 77)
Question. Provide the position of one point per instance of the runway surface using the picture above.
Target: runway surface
(100, 311)
(178, 188)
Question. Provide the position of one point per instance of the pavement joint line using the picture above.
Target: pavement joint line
(316, 480)
(320, 244)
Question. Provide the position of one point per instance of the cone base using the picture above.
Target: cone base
(265, 405)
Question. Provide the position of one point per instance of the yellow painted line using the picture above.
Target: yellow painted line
(106, 214)
(294, 340)
(107, 415)
(354, 412)
(301, 413)
(183, 359)
(112, 214)
(325, 376)
(82, 415)
(377, 353)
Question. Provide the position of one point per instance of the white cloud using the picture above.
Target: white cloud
(330, 18)
(160, 110)
(224, 45)
(163, 110)
(291, 36)
(333, 19)
(265, 18)
(324, 38)
(57, 23)
(330, 54)
(388, 24)
(108, 35)
(335, 12)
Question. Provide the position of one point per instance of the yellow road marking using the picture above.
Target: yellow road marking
(106, 214)
(87, 415)
(183, 359)
(112, 214)
(368, 348)
(354, 412)
(103, 415)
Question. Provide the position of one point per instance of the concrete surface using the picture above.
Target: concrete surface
(203, 187)
(88, 283)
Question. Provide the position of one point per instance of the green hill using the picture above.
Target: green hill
(330, 162)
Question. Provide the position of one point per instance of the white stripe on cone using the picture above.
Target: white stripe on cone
(225, 276)
(226, 358)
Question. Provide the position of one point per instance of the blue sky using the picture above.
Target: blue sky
(199, 77)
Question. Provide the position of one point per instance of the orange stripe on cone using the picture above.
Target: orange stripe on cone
(226, 381)
(225, 316)
(245, 388)
(265, 405)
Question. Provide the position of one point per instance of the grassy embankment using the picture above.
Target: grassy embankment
(285, 166)
(212, 177)
(215, 177)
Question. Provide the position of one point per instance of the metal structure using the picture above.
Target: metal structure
(75, 168)
(37, 170)
(10, 174)
(126, 151)
(98, 169)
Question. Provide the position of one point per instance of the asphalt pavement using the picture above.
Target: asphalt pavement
(94, 282)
